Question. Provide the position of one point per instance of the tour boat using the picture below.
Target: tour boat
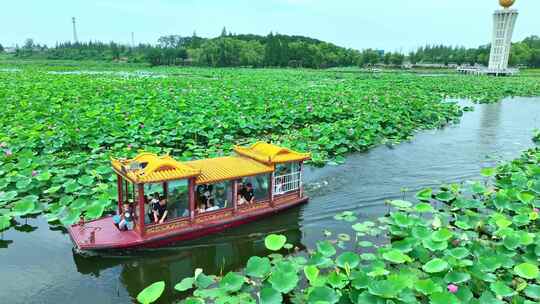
(201, 196)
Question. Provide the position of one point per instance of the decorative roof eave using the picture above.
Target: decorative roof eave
(271, 154)
(155, 169)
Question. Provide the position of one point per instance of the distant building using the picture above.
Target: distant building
(10, 49)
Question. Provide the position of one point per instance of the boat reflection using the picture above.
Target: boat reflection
(215, 254)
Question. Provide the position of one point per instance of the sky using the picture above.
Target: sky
(392, 25)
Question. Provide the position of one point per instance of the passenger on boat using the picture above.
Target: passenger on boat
(160, 211)
(126, 220)
(246, 194)
(211, 207)
(221, 198)
(150, 206)
(208, 196)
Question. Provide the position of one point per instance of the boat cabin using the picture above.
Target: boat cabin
(196, 197)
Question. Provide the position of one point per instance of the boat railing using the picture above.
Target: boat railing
(287, 182)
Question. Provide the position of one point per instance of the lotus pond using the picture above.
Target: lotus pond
(60, 129)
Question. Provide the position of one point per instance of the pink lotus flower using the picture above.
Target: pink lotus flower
(8, 152)
(3, 144)
(129, 146)
(452, 288)
(34, 173)
(141, 126)
(536, 210)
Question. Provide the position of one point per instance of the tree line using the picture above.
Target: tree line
(523, 53)
(272, 50)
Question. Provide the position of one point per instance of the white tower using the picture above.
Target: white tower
(503, 28)
(75, 40)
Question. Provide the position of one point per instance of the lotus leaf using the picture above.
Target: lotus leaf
(151, 293)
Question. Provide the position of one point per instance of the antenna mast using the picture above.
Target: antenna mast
(75, 40)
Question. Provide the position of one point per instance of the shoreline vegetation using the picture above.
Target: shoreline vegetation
(473, 242)
(59, 129)
(272, 50)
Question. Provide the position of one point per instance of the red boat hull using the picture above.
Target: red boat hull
(101, 234)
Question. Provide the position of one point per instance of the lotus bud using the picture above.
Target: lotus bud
(8, 152)
(452, 288)
(34, 173)
(3, 144)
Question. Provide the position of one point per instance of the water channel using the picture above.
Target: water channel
(37, 264)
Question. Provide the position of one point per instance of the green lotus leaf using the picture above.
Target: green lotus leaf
(441, 235)
(459, 253)
(270, 296)
(527, 270)
(435, 265)
(311, 272)
(23, 183)
(203, 281)
(94, 211)
(326, 248)
(5, 222)
(86, 180)
(283, 281)
(501, 290)
(424, 195)
(71, 217)
(323, 294)
(258, 267)
(533, 291)
(526, 197)
(423, 208)
(44, 176)
(427, 287)
(344, 237)
(445, 196)
(24, 206)
(185, 284)
(275, 242)
(365, 244)
(487, 172)
(348, 259)
(151, 293)
(71, 186)
(396, 256)
(457, 277)
(400, 204)
(384, 288)
(443, 298)
(232, 282)
(8, 196)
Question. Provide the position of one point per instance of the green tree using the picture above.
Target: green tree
(1, 48)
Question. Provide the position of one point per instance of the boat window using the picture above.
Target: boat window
(287, 178)
(287, 168)
(178, 199)
(259, 184)
(152, 193)
(213, 197)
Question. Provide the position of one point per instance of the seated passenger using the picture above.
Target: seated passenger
(221, 198)
(211, 208)
(247, 193)
(241, 190)
(160, 211)
(126, 219)
(151, 204)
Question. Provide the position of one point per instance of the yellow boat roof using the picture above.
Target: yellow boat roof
(150, 168)
(259, 158)
(219, 169)
(271, 154)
